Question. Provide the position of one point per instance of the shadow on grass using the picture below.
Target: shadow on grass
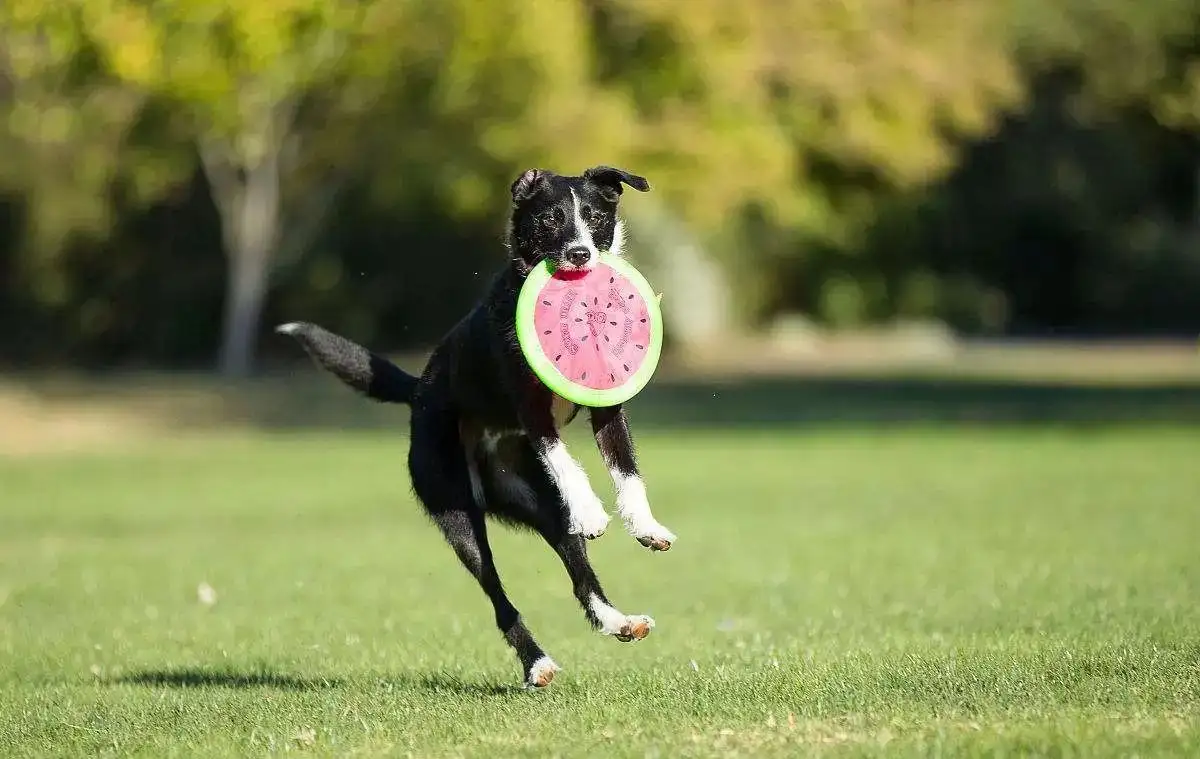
(450, 684)
(225, 678)
(198, 677)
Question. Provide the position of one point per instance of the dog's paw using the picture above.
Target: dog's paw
(590, 522)
(636, 627)
(653, 535)
(541, 673)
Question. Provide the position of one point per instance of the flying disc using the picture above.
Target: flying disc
(594, 337)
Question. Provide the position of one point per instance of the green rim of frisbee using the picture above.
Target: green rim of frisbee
(545, 369)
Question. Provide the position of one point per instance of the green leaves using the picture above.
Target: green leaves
(722, 101)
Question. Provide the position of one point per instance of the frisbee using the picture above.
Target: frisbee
(594, 337)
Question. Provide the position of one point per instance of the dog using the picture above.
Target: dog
(485, 431)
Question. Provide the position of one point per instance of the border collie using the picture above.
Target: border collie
(485, 431)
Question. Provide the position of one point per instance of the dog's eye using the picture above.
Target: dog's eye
(552, 219)
(587, 214)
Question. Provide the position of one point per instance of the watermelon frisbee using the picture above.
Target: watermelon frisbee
(592, 337)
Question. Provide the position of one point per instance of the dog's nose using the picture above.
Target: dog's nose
(578, 255)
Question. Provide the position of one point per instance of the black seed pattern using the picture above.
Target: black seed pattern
(586, 316)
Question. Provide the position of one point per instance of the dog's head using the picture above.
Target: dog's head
(569, 220)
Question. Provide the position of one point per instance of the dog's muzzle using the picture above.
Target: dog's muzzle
(578, 256)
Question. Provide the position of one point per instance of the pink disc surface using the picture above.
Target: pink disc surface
(594, 327)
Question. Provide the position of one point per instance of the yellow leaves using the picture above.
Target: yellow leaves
(750, 86)
(133, 44)
(210, 56)
(36, 40)
(866, 81)
(50, 124)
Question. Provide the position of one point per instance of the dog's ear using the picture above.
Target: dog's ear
(527, 185)
(611, 177)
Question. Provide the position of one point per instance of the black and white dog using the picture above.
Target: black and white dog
(485, 431)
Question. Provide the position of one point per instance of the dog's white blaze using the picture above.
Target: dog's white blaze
(611, 620)
(634, 508)
(583, 235)
(618, 243)
(587, 513)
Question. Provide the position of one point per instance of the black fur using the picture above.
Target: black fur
(372, 375)
(478, 407)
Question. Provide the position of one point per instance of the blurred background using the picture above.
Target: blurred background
(925, 424)
(911, 185)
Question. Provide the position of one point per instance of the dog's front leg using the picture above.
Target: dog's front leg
(611, 429)
(585, 513)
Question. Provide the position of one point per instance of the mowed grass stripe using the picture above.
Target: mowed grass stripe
(854, 592)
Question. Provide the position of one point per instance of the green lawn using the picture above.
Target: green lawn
(964, 591)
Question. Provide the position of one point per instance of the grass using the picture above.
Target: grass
(852, 592)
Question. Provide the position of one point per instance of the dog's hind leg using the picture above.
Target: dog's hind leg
(438, 464)
(537, 502)
(603, 616)
(467, 534)
(470, 437)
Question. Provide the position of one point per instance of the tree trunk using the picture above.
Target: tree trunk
(697, 296)
(245, 292)
(249, 204)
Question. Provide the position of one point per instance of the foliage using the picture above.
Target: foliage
(855, 161)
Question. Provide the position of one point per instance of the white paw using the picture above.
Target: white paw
(541, 673)
(634, 509)
(651, 534)
(635, 627)
(590, 521)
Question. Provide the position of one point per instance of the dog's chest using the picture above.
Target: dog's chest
(562, 411)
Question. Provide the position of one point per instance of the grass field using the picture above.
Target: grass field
(909, 591)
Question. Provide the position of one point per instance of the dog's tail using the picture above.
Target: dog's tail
(366, 372)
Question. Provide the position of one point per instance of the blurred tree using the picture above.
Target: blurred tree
(254, 82)
(250, 83)
(802, 113)
(64, 123)
(726, 106)
(810, 147)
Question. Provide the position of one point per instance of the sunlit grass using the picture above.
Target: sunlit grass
(901, 593)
